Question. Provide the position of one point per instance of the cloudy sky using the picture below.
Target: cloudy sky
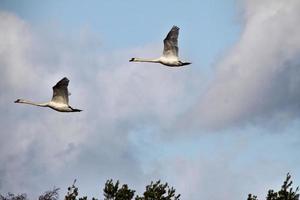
(221, 128)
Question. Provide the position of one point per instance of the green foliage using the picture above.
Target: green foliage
(73, 193)
(251, 197)
(113, 192)
(285, 193)
(11, 196)
(158, 191)
(110, 189)
(50, 195)
(154, 191)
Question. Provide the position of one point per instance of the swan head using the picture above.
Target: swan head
(76, 110)
(185, 63)
(132, 59)
(19, 101)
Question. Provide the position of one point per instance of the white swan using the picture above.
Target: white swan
(60, 98)
(170, 53)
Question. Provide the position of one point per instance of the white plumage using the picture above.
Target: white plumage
(170, 52)
(60, 98)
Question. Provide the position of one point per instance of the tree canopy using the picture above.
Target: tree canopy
(285, 193)
(154, 191)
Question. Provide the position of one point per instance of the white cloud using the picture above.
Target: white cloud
(40, 147)
(258, 79)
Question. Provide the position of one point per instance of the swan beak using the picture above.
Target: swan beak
(131, 60)
(17, 101)
(186, 63)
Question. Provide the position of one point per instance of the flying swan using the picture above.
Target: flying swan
(170, 53)
(60, 98)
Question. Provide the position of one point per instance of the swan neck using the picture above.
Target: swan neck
(146, 60)
(33, 103)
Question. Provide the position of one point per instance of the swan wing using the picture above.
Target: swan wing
(171, 43)
(60, 91)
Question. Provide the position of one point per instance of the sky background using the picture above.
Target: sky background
(221, 128)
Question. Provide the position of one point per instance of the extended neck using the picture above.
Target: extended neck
(31, 103)
(144, 60)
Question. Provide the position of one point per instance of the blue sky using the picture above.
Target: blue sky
(230, 119)
(123, 24)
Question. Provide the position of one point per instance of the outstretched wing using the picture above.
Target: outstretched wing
(60, 91)
(171, 43)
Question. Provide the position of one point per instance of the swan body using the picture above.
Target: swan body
(170, 52)
(60, 98)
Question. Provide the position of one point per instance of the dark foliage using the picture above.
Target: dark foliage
(50, 195)
(285, 193)
(154, 191)
(112, 191)
(158, 191)
(252, 197)
(11, 196)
